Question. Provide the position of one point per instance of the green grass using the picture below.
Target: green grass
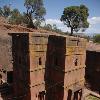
(90, 97)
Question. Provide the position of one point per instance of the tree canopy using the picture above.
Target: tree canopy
(75, 17)
(5, 11)
(96, 38)
(32, 18)
(16, 17)
(35, 10)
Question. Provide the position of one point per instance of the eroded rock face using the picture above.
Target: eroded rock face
(93, 47)
(3, 20)
(5, 56)
(48, 66)
(42, 60)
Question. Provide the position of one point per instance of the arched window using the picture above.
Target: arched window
(40, 61)
(76, 62)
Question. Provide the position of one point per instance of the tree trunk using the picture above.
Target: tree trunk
(30, 24)
(71, 31)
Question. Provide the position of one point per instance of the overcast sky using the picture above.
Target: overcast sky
(54, 9)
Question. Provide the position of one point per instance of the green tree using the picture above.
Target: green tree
(48, 27)
(16, 17)
(75, 17)
(24, 19)
(37, 23)
(35, 10)
(6, 11)
(55, 29)
(96, 38)
(1, 12)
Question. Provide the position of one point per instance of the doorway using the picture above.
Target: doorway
(41, 95)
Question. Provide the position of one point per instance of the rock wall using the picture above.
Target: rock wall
(47, 66)
(5, 56)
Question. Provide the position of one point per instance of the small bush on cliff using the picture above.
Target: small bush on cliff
(16, 17)
(96, 38)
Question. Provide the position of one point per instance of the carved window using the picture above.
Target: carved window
(78, 42)
(40, 61)
(76, 62)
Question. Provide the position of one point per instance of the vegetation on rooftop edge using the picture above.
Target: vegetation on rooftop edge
(74, 17)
